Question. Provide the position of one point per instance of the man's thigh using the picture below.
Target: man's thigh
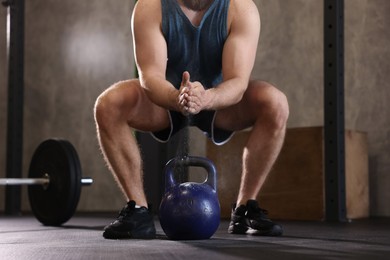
(244, 114)
(139, 111)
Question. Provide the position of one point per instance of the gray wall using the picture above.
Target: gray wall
(368, 92)
(73, 51)
(76, 49)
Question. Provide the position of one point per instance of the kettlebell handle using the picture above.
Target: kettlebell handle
(203, 162)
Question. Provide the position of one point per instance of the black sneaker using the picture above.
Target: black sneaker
(251, 219)
(131, 223)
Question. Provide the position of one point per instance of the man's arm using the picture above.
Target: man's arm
(151, 54)
(238, 55)
(237, 61)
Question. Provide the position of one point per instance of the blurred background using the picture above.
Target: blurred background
(76, 49)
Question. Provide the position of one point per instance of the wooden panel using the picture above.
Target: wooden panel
(357, 179)
(295, 187)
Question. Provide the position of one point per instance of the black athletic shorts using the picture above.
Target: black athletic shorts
(204, 121)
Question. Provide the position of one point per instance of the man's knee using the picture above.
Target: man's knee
(273, 105)
(112, 104)
(280, 106)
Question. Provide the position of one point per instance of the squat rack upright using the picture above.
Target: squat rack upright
(15, 56)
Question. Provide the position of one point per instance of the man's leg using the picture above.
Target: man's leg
(120, 109)
(265, 140)
(265, 109)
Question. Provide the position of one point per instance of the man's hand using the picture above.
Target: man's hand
(193, 97)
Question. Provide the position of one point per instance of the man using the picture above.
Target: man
(194, 59)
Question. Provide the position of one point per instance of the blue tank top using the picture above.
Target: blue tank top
(195, 49)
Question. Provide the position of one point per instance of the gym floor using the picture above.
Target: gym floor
(81, 238)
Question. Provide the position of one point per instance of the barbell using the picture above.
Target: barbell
(54, 181)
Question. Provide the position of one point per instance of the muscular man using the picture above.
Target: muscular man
(194, 59)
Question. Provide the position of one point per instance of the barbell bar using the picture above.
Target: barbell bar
(36, 181)
(24, 181)
(54, 181)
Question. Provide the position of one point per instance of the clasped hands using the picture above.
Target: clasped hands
(192, 96)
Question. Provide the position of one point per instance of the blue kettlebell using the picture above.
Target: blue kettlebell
(190, 211)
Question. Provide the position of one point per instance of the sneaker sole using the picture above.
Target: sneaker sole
(112, 234)
(244, 230)
(272, 232)
(237, 229)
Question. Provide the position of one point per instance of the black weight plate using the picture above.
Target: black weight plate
(55, 204)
